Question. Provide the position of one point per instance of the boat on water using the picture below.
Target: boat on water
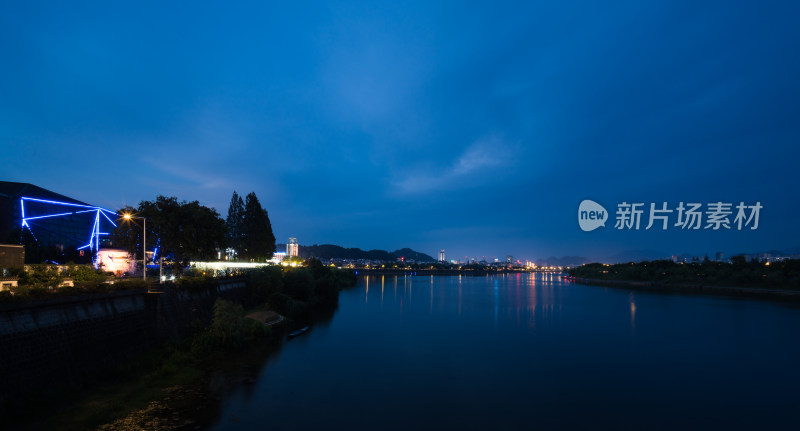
(300, 331)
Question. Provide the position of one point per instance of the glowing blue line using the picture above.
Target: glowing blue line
(58, 203)
(46, 216)
(109, 220)
(34, 236)
(91, 236)
(93, 207)
(97, 230)
(94, 237)
(81, 248)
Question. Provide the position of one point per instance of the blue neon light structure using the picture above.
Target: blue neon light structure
(67, 209)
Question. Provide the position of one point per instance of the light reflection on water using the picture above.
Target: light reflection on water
(522, 350)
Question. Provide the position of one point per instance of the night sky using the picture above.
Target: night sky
(477, 128)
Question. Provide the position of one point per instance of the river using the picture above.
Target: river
(528, 351)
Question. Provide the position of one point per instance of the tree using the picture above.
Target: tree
(258, 241)
(182, 231)
(738, 260)
(234, 221)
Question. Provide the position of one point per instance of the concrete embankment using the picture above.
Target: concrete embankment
(750, 292)
(58, 342)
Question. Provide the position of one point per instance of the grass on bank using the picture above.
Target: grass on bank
(150, 377)
(163, 376)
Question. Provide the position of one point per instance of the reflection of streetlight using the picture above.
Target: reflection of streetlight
(144, 247)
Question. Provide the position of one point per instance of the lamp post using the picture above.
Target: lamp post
(144, 240)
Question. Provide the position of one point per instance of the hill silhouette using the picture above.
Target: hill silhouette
(332, 251)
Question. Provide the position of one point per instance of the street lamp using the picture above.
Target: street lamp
(144, 239)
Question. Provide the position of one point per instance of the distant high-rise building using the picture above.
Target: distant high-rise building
(509, 258)
(441, 256)
(719, 256)
(292, 249)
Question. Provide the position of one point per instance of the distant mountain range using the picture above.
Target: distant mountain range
(331, 251)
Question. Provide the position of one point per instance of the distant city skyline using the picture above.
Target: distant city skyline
(478, 129)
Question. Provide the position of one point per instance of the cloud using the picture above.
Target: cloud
(482, 158)
(186, 176)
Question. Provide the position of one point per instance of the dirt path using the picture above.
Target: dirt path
(268, 318)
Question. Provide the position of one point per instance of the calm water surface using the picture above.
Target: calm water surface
(529, 351)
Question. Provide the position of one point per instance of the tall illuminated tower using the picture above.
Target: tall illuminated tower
(292, 250)
(441, 255)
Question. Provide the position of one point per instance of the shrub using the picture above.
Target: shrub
(280, 302)
(229, 329)
(130, 284)
(86, 276)
(196, 283)
(265, 282)
(298, 283)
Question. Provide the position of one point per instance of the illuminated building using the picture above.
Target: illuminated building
(51, 222)
(441, 256)
(277, 257)
(117, 261)
(292, 249)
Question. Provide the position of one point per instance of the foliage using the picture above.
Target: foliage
(50, 276)
(41, 276)
(229, 329)
(234, 221)
(87, 276)
(181, 230)
(42, 282)
(280, 302)
(130, 284)
(298, 283)
(739, 272)
(293, 292)
(196, 283)
(265, 282)
(258, 241)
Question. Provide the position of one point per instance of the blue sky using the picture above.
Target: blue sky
(473, 127)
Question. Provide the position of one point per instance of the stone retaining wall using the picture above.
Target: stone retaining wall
(45, 345)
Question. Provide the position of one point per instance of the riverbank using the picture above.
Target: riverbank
(170, 386)
(654, 286)
(177, 384)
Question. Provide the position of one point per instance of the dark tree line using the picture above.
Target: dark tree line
(739, 272)
(249, 228)
(182, 231)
